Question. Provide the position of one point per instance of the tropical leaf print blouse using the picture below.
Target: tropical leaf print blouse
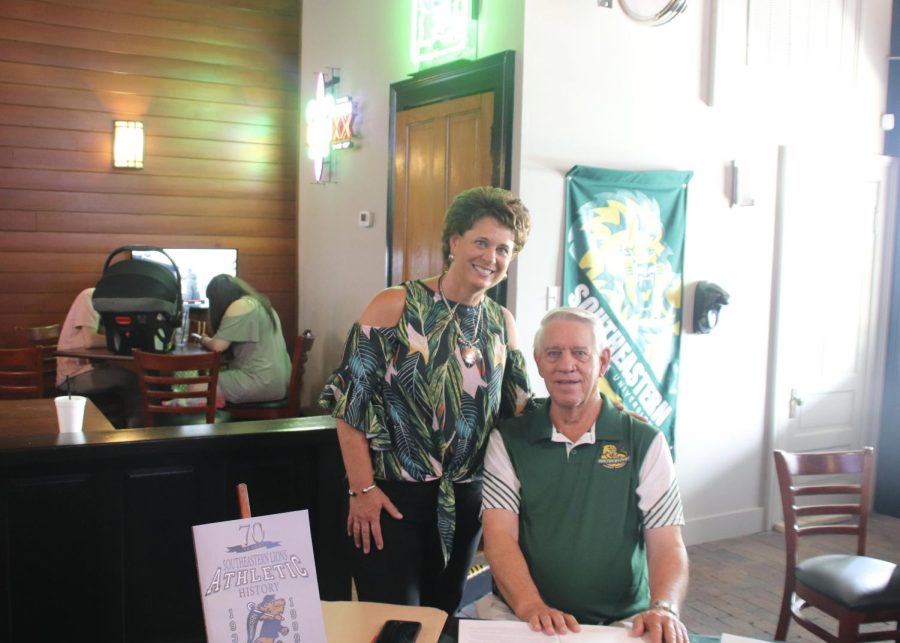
(426, 414)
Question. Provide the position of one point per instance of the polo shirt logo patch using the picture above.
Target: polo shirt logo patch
(612, 458)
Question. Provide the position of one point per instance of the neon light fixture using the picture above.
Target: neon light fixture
(318, 126)
(329, 124)
(443, 30)
(128, 144)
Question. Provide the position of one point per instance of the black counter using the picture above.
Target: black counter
(95, 528)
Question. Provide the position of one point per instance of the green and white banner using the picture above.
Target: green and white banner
(624, 257)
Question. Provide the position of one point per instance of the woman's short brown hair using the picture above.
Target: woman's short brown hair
(486, 201)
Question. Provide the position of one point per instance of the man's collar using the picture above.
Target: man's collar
(606, 427)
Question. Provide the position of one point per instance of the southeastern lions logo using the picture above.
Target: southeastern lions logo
(612, 458)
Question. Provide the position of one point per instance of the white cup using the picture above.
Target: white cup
(70, 413)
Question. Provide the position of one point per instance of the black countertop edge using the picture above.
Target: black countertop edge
(312, 428)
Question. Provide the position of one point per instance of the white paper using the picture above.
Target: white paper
(734, 638)
(471, 631)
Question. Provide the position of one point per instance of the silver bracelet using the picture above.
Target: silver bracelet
(353, 494)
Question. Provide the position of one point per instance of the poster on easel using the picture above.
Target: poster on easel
(258, 580)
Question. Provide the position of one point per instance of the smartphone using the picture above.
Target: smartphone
(399, 632)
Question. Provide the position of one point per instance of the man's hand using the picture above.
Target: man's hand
(542, 617)
(364, 518)
(661, 626)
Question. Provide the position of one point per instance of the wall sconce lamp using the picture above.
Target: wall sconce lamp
(128, 144)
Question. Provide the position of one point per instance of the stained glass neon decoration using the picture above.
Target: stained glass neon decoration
(329, 124)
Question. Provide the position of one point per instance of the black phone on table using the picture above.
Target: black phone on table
(399, 632)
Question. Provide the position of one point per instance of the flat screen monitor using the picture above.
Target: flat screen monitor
(197, 267)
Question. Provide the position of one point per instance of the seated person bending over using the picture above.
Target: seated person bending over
(581, 510)
(81, 331)
(247, 331)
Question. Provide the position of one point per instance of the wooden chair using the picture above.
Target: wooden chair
(46, 339)
(165, 379)
(21, 373)
(285, 408)
(854, 589)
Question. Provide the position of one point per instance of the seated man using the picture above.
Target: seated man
(80, 331)
(581, 511)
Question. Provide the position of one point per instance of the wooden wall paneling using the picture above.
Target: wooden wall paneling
(134, 65)
(71, 98)
(184, 21)
(45, 180)
(135, 43)
(62, 242)
(216, 86)
(108, 83)
(261, 16)
(69, 201)
(184, 226)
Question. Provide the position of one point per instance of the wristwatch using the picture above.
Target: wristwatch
(668, 606)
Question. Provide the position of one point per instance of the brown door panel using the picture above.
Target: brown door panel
(440, 150)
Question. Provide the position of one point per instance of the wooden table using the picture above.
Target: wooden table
(38, 417)
(103, 354)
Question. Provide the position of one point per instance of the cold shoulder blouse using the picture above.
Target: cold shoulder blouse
(427, 414)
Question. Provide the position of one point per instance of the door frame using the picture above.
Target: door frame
(877, 325)
(495, 74)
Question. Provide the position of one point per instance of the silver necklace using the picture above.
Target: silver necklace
(470, 353)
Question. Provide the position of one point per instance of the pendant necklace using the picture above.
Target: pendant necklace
(470, 353)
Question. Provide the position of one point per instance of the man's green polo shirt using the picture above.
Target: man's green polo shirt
(580, 527)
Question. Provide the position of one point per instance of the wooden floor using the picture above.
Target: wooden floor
(736, 584)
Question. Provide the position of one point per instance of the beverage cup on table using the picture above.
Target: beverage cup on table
(70, 412)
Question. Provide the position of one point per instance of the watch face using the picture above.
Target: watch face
(669, 606)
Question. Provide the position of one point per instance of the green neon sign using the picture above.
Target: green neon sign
(442, 30)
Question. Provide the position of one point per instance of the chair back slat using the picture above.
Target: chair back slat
(828, 530)
(45, 338)
(825, 489)
(790, 466)
(825, 510)
(165, 379)
(21, 373)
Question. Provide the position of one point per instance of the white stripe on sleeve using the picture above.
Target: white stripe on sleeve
(658, 496)
(501, 486)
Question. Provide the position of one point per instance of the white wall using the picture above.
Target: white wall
(597, 89)
(341, 266)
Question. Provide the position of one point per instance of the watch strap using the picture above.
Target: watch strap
(668, 606)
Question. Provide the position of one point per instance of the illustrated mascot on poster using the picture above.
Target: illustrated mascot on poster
(268, 614)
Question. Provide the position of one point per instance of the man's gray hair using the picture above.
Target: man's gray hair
(573, 314)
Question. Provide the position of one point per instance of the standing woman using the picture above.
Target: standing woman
(428, 371)
(246, 329)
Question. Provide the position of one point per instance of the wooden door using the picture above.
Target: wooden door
(440, 150)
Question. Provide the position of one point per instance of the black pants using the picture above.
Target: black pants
(410, 569)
